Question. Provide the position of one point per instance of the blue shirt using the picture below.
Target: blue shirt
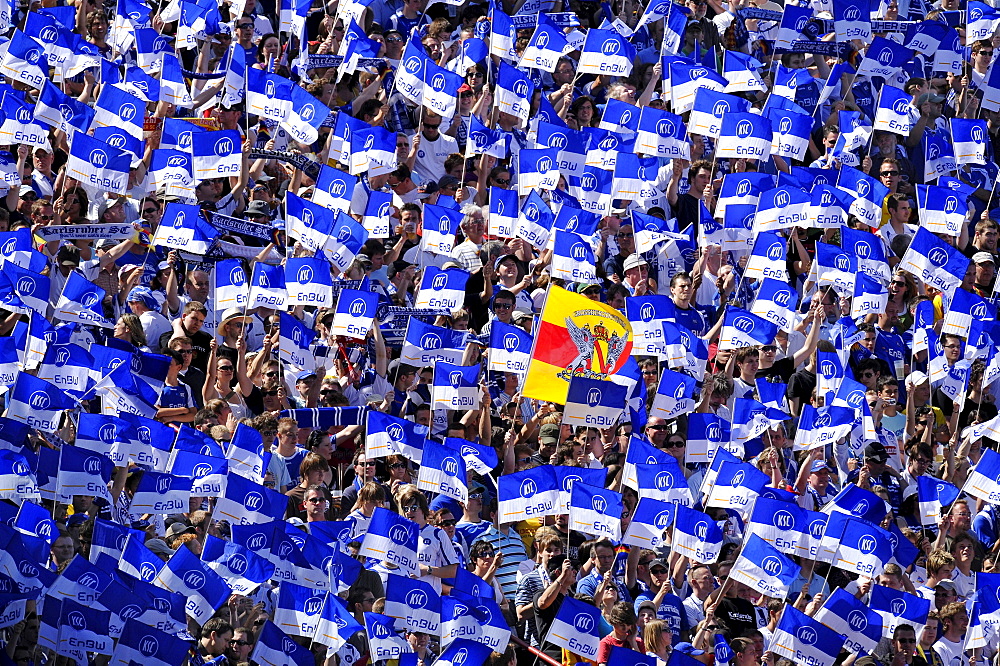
(588, 586)
(670, 611)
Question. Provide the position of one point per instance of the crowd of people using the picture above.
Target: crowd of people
(472, 333)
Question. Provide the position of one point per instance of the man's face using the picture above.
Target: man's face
(820, 480)
(563, 74)
(656, 430)
(605, 558)
(626, 239)
(961, 517)
(959, 623)
(187, 352)
(903, 212)
(193, 321)
(702, 581)
(44, 216)
(217, 643)
(365, 468)
(952, 349)
(197, 288)
(503, 309)
(889, 173)
(701, 180)
(906, 643)
(987, 239)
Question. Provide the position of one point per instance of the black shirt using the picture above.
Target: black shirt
(543, 621)
(738, 615)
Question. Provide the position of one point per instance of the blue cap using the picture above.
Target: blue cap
(305, 374)
(819, 466)
(142, 295)
(687, 648)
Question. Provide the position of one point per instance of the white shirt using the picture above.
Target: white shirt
(952, 654)
(435, 549)
(154, 325)
(432, 154)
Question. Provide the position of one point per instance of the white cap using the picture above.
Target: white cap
(915, 378)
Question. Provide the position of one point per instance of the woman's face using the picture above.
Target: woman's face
(270, 47)
(324, 449)
(121, 330)
(585, 113)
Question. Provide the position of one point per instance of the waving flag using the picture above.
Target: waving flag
(425, 344)
(308, 282)
(740, 70)
(439, 229)
(870, 194)
(455, 386)
(204, 589)
(16, 480)
(768, 257)
(982, 21)
(743, 329)
(674, 395)
(513, 92)
(37, 403)
(24, 60)
(267, 288)
(308, 221)
(98, 165)
(510, 348)
(942, 210)
(776, 302)
(275, 648)
(183, 227)
(335, 625)
(161, 493)
(56, 108)
(893, 111)
(790, 133)
(884, 58)
(596, 511)
(298, 609)
(661, 133)
(864, 548)
(897, 607)
(710, 106)
(534, 223)
(969, 138)
(736, 485)
(686, 79)
(933, 495)
(392, 538)
(649, 521)
(745, 135)
(532, 492)
(443, 471)
(786, 526)
(934, 262)
(984, 479)
(763, 568)
(607, 53)
(268, 95)
(546, 46)
(576, 336)
(781, 208)
(846, 615)
(538, 169)
(333, 189)
(576, 626)
(355, 313)
(696, 536)
(242, 569)
(851, 21)
(244, 502)
(594, 402)
(805, 639)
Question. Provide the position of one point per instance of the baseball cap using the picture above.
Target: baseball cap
(982, 258)
(933, 98)
(947, 584)
(68, 255)
(257, 208)
(305, 374)
(548, 434)
(875, 451)
(819, 466)
(25, 189)
(688, 649)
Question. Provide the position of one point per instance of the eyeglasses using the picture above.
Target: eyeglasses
(898, 283)
(475, 75)
(400, 146)
(397, 466)
(271, 393)
(888, 173)
(429, 126)
(316, 500)
(225, 368)
(46, 217)
(369, 463)
(985, 53)
(624, 234)
(149, 211)
(953, 346)
(503, 306)
(649, 373)
(467, 94)
(393, 39)
(185, 352)
(241, 643)
(675, 444)
(246, 26)
(502, 181)
(273, 373)
(769, 349)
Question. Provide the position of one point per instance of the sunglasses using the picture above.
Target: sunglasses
(316, 500)
(272, 393)
(675, 445)
(888, 173)
(393, 39)
(467, 95)
(185, 352)
(502, 181)
(146, 211)
(273, 373)
(429, 126)
(225, 368)
(245, 26)
(397, 466)
(411, 508)
(662, 426)
(503, 306)
(448, 523)
(769, 349)
(479, 496)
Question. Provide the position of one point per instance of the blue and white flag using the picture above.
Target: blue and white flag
(765, 569)
(982, 19)
(443, 471)
(984, 479)
(244, 502)
(242, 569)
(334, 189)
(573, 258)
(56, 108)
(483, 140)
(139, 561)
(674, 395)
(846, 615)
(170, 170)
(308, 282)
(392, 538)
(781, 208)
(897, 607)
(969, 138)
(414, 604)
(567, 476)
(37, 402)
(383, 640)
(696, 536)
(786, 83)
(161, 493)
(538, 169)
(742, 329)
(24, 60)
(851, 21)
(309, 222)
(942, 210)
(768, 257)
(513, 92)
(884, 58)
(17, 483)
(741, 71)
(620, 118)
(934, 494)
(18, 124)
(355, 313)
(534, 223)
(607, 53)
(346, 240)
(307, 115)
(870, 296)
(864, 548)
(142, 644)
(298, 609)
(576, 626)
(742, 188)
(804, 639)
(268, 95)
(706, 433)
(503, 212)
(118, 108)
(647, 314)
(440, 224)
(275, 648)
(442, 289)
(571, 144)
(510, 348)
(869, 251)
(596, 511)
(790, 133)
(455, 387)
(594, 402)
(649, 521)
(934, 262)
(532, 492)
(686, 78)
(376, 218)
(98, 165)
(736, 485)
(425, 344)
(336, 625)
(745, 135)
(893, 111)
(710, 106)
(870, 194)
(662, 134)
(216, 154)
(267, 288)
(204, 589)
(546, 46)
(776, 302)
(786, 526)
(464, 652)
(183, 227)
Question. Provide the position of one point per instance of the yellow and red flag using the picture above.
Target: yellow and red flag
(577, 337)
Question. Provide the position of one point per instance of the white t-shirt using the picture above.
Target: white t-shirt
(435, 549)
(952, 654)
(432, 154)
(154, 325)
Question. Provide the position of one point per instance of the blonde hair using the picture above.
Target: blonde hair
(939, 559)
(134, 327)
(652, 636)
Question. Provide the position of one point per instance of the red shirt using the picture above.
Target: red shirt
(609, 641)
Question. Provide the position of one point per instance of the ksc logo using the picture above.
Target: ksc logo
(599, 504)
(417, 599)
(771, 565)
(578, 252)
(98, 158)
(807, 635)
(528, 488)
(594, 397)
(194, 580)
(305, 275)
(611, 47)
(39, 400)
(224, 147)
(744, 324)
(583, 623)
(938, 256)
(783, 520)
(743, 129)
(399, 534)
(449, 466)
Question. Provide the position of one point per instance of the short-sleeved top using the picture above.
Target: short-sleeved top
(292, 463)
(435, 549)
